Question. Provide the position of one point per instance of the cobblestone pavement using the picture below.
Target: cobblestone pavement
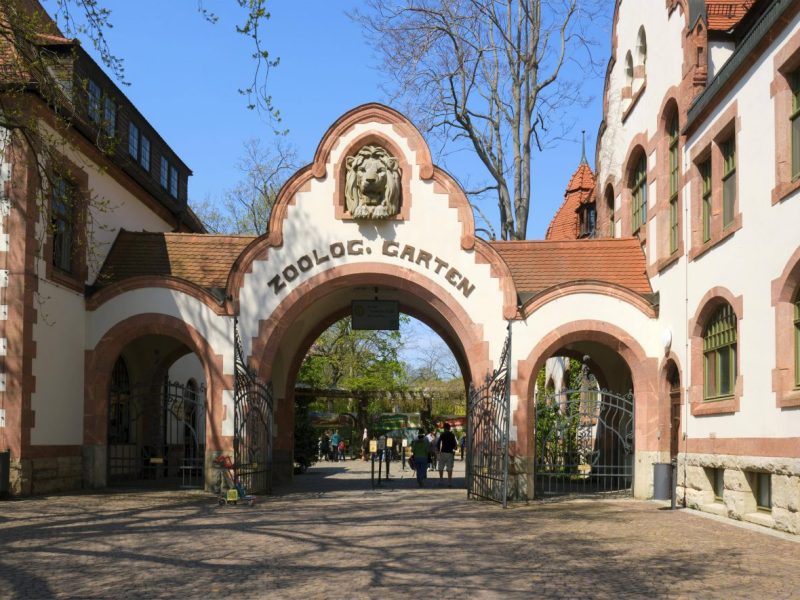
(331, 536)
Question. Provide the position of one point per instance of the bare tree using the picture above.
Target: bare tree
(488, 72)
(246, 207)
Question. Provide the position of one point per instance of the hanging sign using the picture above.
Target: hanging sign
(375, 314)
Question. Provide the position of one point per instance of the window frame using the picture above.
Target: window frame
(761, 480)
(722, 325)
(94, 96)
(794, 124)
(163, 175)
(145, 152)
(728, 151)
(133, 141)
(62, 256)
(674, 183)
(706, 197)
(109, 123)
(797, 343)
(639, 194)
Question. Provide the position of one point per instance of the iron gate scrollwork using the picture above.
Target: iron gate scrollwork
(583, 441)
(253, 425)
(488, 425)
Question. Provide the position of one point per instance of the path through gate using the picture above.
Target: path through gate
(584, 442)
(488, 425)
(156, 432)
(253, 426)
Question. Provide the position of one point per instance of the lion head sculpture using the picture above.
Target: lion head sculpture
(372, 185)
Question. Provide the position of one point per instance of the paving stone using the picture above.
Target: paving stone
(331, 535)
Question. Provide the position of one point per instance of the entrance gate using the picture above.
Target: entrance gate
(156, 432)
(253, 426)
(488, 424)
(584, 442)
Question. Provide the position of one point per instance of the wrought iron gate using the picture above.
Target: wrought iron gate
(253, 425)
(156, 432)
(584, 442)
(488, 424)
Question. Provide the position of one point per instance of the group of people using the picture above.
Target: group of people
(434, 451)
(331, 447)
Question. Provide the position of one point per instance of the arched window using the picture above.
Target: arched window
(641, 48)
(719, 352)
(674, 179)
(638, 185)
(629, 70)
(609, 196)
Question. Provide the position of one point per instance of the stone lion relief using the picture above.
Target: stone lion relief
(372, 185)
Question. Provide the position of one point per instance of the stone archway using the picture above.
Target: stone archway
(617, 342)
(100, 363)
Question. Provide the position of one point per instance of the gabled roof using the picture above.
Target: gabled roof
(538, 265)
(724, 15)
(564, 225)
(202, 259)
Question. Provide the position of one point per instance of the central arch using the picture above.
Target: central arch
(284, 339)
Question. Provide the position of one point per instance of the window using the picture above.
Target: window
(144, 157)
(93, 105)
(794, 119)
(705, 174)
(164, 173)
(797, 343)
(120, 416)
(719, 352)
(62, 222)
(728, 180)
(173, 181)
(629, 70)
(588, 220)
(641, 47)
(610, 210)
(639, 194)
(762, 483)
(109, 117)
(133, 141)
(674, 172)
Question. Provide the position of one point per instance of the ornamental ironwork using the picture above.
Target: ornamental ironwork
(252, 426)
(488, 425)
(583, 441)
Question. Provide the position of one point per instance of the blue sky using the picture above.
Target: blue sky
(184, 74)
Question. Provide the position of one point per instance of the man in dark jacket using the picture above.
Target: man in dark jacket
(446, 445)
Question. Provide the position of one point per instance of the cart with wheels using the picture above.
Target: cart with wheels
(231, 490)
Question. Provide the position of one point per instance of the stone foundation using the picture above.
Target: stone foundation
(695, 488)
(34, 476)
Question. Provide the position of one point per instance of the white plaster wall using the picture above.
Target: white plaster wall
(663, 70)
(58, 367)
(186, 368)
(113, 207)
(746, 264)
(432, 226)
(718, 54)
(217, 330)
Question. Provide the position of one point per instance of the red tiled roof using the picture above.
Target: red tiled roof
(564, 225)
(724, 15)
(204, 259)
(541, 264)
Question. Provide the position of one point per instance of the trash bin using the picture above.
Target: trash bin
(5, 474)
(662, 481)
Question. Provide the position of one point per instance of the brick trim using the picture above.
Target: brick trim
(706, 308)
(727, 124)
(643, 373)
(106, 294)
(788, 447)
(784, 63)
(589, 287)
(99, 364)
(784, 290)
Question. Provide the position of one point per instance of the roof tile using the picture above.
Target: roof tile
(538, 265)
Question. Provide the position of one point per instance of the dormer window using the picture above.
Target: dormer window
(169, 177)
(93, 103)
(109, 117)
(587, 215)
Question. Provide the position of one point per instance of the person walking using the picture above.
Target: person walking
(334, 448)
(446, 447)
(420, 448)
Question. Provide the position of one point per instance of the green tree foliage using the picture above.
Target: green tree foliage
(354, 360)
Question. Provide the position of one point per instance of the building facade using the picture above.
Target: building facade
(139, 352)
